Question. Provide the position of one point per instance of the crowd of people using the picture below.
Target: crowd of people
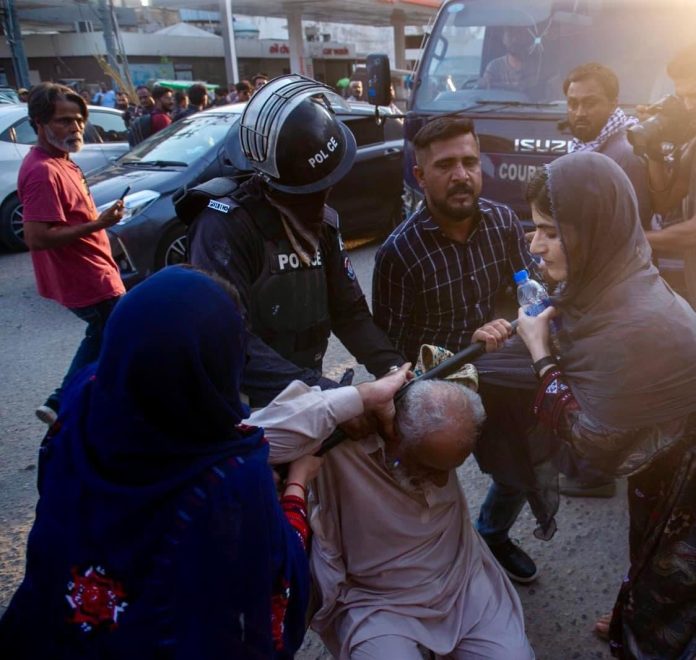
(158, 106)
(183, 510)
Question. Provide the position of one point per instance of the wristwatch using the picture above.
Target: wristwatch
(546, 361)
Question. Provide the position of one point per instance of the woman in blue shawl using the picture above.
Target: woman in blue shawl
(158, 532)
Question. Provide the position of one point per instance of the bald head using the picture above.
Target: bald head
(437, 423)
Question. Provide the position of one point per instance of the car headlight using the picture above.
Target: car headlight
(133, 204)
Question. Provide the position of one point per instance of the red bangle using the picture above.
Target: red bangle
(294, 483)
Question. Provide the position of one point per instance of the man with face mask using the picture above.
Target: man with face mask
(62, 228)
(278, 242)
(599, 124)
(515, 70)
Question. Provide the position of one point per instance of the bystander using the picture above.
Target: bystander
(244, 91)
(220, 96)
(105, 96)
(599, 124)
(198, 100)
(161, 113)
(356, 90)
(62, 228)
(181, 104)
(436, 279)
(258, 81)
(674, 193)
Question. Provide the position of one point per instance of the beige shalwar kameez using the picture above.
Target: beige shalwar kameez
(388, 561)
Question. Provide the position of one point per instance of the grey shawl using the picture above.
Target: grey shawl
(628, 342)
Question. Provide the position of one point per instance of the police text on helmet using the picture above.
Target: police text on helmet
(321, 156)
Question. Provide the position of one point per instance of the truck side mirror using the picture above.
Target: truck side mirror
(378, 79)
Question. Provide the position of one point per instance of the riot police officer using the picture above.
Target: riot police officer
(278, 242)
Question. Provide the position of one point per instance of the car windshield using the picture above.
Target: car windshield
(183, 141)
(8, 95)
(494, 55)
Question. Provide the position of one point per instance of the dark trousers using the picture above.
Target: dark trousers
(499, 512)
(88, 351)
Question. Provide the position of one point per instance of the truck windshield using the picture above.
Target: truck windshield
(493, 55)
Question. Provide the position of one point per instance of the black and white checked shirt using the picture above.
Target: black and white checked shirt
(429, 289)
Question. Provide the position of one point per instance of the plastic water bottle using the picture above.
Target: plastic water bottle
(531, 295)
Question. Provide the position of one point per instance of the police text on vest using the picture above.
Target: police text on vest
(292, 262)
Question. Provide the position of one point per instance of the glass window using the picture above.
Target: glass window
(24, 133)
(508, 55)
(366, 131)
(109, 126)
(184, 140)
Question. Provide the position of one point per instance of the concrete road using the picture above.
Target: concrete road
(581, 567)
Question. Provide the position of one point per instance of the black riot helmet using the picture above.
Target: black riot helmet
(289, 133)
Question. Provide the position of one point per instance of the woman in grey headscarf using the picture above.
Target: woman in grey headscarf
(618, 385)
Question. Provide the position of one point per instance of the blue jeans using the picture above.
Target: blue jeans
(499, 512)
(88, 351)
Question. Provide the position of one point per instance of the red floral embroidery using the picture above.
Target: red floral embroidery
(279, 606)
(95, 599)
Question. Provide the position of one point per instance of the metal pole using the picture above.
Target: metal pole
(227, 22)
(109, 36)
(125, 68)
(13, 34)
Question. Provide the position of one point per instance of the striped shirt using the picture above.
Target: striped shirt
(430, 289)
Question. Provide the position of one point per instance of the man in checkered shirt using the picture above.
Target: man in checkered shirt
(436, 278)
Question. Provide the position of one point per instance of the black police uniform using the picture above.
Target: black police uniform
(292, 308)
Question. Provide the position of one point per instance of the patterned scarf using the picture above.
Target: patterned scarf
(618, 120)
(302, 217)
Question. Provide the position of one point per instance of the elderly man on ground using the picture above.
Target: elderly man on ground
(395, 558)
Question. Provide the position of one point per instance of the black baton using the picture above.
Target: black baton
(442, 370)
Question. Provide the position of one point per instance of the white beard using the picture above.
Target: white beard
(69, 145)
(408, 483)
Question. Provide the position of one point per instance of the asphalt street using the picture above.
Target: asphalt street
(580, 568)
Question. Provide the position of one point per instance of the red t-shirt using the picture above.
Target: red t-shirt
(159, 120)
(53, 189)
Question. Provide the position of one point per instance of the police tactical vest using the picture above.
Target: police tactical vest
(288, 306)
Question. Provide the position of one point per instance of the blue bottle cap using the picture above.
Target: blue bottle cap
(521, 276)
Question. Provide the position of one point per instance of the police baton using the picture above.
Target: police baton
(442, 370)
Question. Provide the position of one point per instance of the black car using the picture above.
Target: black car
(191, 151)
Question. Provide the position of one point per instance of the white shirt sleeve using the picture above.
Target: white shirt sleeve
(301, 417)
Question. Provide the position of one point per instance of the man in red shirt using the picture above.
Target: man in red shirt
(164, 103)
(62, 228)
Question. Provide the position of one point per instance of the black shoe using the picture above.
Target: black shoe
(515, 562)
(572, 487)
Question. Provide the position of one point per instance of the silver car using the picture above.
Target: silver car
(105, 140)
